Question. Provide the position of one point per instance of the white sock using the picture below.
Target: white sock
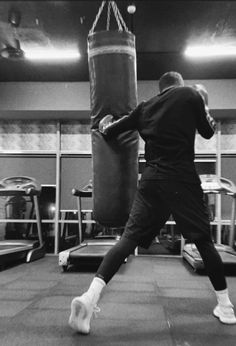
(223, 297)
(95, 289)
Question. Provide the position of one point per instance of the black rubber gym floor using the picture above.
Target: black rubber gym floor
(151, 301)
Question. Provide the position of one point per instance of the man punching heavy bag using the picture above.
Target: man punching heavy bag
(113, 90)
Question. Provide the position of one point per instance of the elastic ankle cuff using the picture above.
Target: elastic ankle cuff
(100, 280)
(225, 291)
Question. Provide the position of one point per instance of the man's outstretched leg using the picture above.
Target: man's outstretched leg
(83, 307)
(215, 270)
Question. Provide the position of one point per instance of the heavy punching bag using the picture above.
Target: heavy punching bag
(113, 90)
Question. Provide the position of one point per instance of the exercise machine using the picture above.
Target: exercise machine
(212, 184)
(90, 251)
(18, 191)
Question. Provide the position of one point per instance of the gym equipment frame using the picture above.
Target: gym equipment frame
(89, 251)
(211, 184)
(19, 249)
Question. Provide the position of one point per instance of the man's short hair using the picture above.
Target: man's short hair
(169, 79)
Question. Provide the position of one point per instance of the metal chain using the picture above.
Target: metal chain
(119, 17)
(114, 7)
(97, 17)
(117, 14)
(108, 15)
(122, 21)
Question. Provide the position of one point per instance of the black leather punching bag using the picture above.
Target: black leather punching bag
(113, 87)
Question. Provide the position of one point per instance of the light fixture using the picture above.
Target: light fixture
(210, 50)
(131, 8)
(51, 54)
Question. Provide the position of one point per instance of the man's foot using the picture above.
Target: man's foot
(82, 310)
(225, 314)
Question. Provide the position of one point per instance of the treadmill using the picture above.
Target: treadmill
(90, 251)
(12, 250)
(212, 184)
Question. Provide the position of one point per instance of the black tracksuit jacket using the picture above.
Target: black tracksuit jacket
(168, 123)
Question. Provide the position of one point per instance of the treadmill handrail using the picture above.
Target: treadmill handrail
(15, 249)
(232, 189)
(19, 192)
(25, 184)
(82, 193)
(211, 183)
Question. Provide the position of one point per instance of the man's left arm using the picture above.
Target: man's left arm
(206, 125)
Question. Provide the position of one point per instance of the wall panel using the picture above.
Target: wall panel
(76, 171)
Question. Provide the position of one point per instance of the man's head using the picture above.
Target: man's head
(170, 79)
(202, 91)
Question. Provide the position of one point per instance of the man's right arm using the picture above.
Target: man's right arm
(110, 127)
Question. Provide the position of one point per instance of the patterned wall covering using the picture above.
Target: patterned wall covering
(75, 136)
(27, 135)
(228, 136)
(203, 145)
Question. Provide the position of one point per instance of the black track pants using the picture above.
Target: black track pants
(114, 258)
(154, 202)
(119, 252)
(213, 264)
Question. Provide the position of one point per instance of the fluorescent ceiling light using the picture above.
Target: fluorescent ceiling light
(51, 54)
(211, 50)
